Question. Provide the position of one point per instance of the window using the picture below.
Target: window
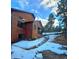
(21, 36)
(34, 26)
(39, 30)
(21, 22)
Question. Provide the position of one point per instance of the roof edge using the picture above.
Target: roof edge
(17, 10)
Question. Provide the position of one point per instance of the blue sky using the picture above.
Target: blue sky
(32, 6)
(40, 8)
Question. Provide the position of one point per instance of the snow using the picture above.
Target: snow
(23, 54)
(39, 56)
(51, 37)
(51, 33)
(52, 47)
(29, 44)
(20, 52)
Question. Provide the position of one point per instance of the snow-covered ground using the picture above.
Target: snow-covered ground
(29, 44)
(19, 49)
(51, 33)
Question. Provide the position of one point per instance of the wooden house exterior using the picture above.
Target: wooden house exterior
(24, 26)
(37, 29)
(21, 24)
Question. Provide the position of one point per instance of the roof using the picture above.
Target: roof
(38, 22)
(17, 10)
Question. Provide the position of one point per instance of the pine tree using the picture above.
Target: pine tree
(62, 11)
(48, 26)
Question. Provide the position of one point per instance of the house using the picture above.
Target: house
(22, 24)
(37, 29)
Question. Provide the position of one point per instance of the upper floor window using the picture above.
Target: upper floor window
(21, 22)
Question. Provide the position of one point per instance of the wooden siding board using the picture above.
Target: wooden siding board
(15, 30)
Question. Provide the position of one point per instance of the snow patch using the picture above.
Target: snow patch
(29, 44)
(36, 52)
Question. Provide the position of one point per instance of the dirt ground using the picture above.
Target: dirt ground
(52, 55)
(61, 40)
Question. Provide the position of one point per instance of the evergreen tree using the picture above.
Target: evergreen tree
(62, 11)
(48, 26)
